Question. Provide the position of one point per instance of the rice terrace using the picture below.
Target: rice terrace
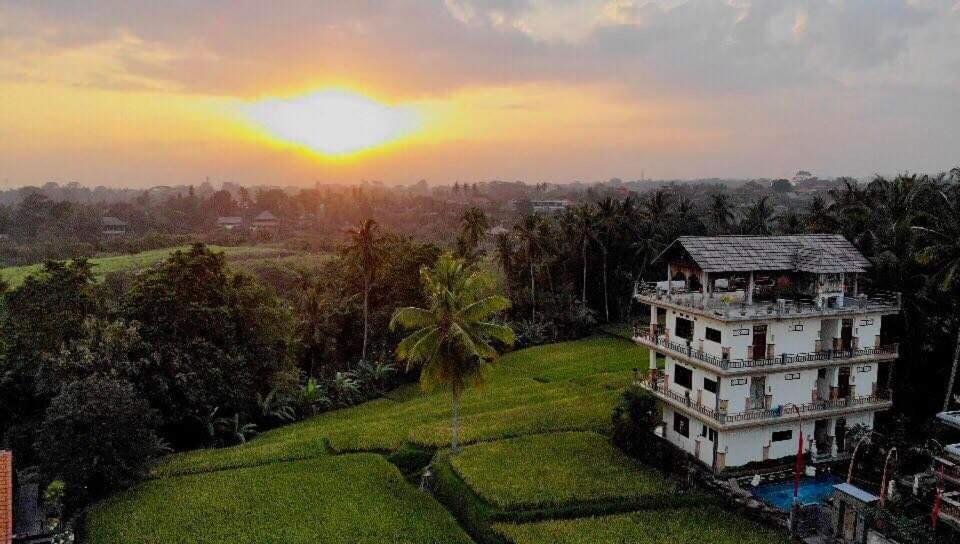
(537, 462)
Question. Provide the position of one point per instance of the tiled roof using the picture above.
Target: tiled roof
(815, 253)
(265, 216)
(108, 221)
(229, 220)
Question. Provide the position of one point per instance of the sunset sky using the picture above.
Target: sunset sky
(139, 93)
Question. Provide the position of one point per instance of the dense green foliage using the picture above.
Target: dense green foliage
(352, 499)
(211, 340)
(186, 341)
(98, 435)
(634, 419)
(702, 524)
(553, 470)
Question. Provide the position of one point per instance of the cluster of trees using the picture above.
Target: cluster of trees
(569, 271)
(96, 379)
(566, 272)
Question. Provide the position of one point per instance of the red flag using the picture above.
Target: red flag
(799, 469)
(936, 509)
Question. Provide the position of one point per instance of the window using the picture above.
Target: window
(798, 328)
(738, 381)
(711, 385)
(683, 376)
(684, 328)
(792, 376)
(681, 425)
(866, 368)
(780, 436)
(713, 335)
(708, 433)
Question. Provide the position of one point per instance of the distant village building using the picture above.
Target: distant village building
(497, 231)
(550, 206)
(112, 226)
(265, 222)
(230, 222)
(753, 338)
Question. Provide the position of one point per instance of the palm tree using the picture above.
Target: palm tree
(503, 247)
(473, 227)
(759, 218)
(608, 221)
(944, 254)
(818, 218)
(365, 249)
(452, 338)
(721, 214)
(580, 225)
(533, 233)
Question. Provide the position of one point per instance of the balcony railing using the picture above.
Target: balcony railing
(732, 305)
(659, 386)
(725, 363)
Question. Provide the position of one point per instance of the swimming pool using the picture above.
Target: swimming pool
(812, 490)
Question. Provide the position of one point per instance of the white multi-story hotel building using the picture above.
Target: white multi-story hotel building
(752, 337)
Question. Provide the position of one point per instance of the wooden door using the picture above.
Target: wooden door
(843, 382)
(759, 341)
(846, 334)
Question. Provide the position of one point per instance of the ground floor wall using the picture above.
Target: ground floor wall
(732, 448)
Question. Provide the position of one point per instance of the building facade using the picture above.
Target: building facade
(753, 338)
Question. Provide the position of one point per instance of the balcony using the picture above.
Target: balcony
(657, 385)
(732, 305)
(685, 352)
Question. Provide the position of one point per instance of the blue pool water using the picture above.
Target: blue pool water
(812, 490)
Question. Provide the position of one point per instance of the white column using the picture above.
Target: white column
(833, 443)
(669, 281)
(704, 279)
(749, 293)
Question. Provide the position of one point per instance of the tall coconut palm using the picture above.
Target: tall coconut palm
(944, 253)
(721, 213)
(503, 250)
(364, 247)
(453, 338)
(473, 227)
(759, 219)
(579, 224)
(533, 234)
(608, 222)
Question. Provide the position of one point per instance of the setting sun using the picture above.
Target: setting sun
(333, 122)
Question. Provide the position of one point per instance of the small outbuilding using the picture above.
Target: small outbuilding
(852, 513)
(112, 226)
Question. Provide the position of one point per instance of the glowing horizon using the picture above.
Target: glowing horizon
(336, 123)
(133, 93)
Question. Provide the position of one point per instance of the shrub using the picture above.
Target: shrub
(634, 419)
(97, 436)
